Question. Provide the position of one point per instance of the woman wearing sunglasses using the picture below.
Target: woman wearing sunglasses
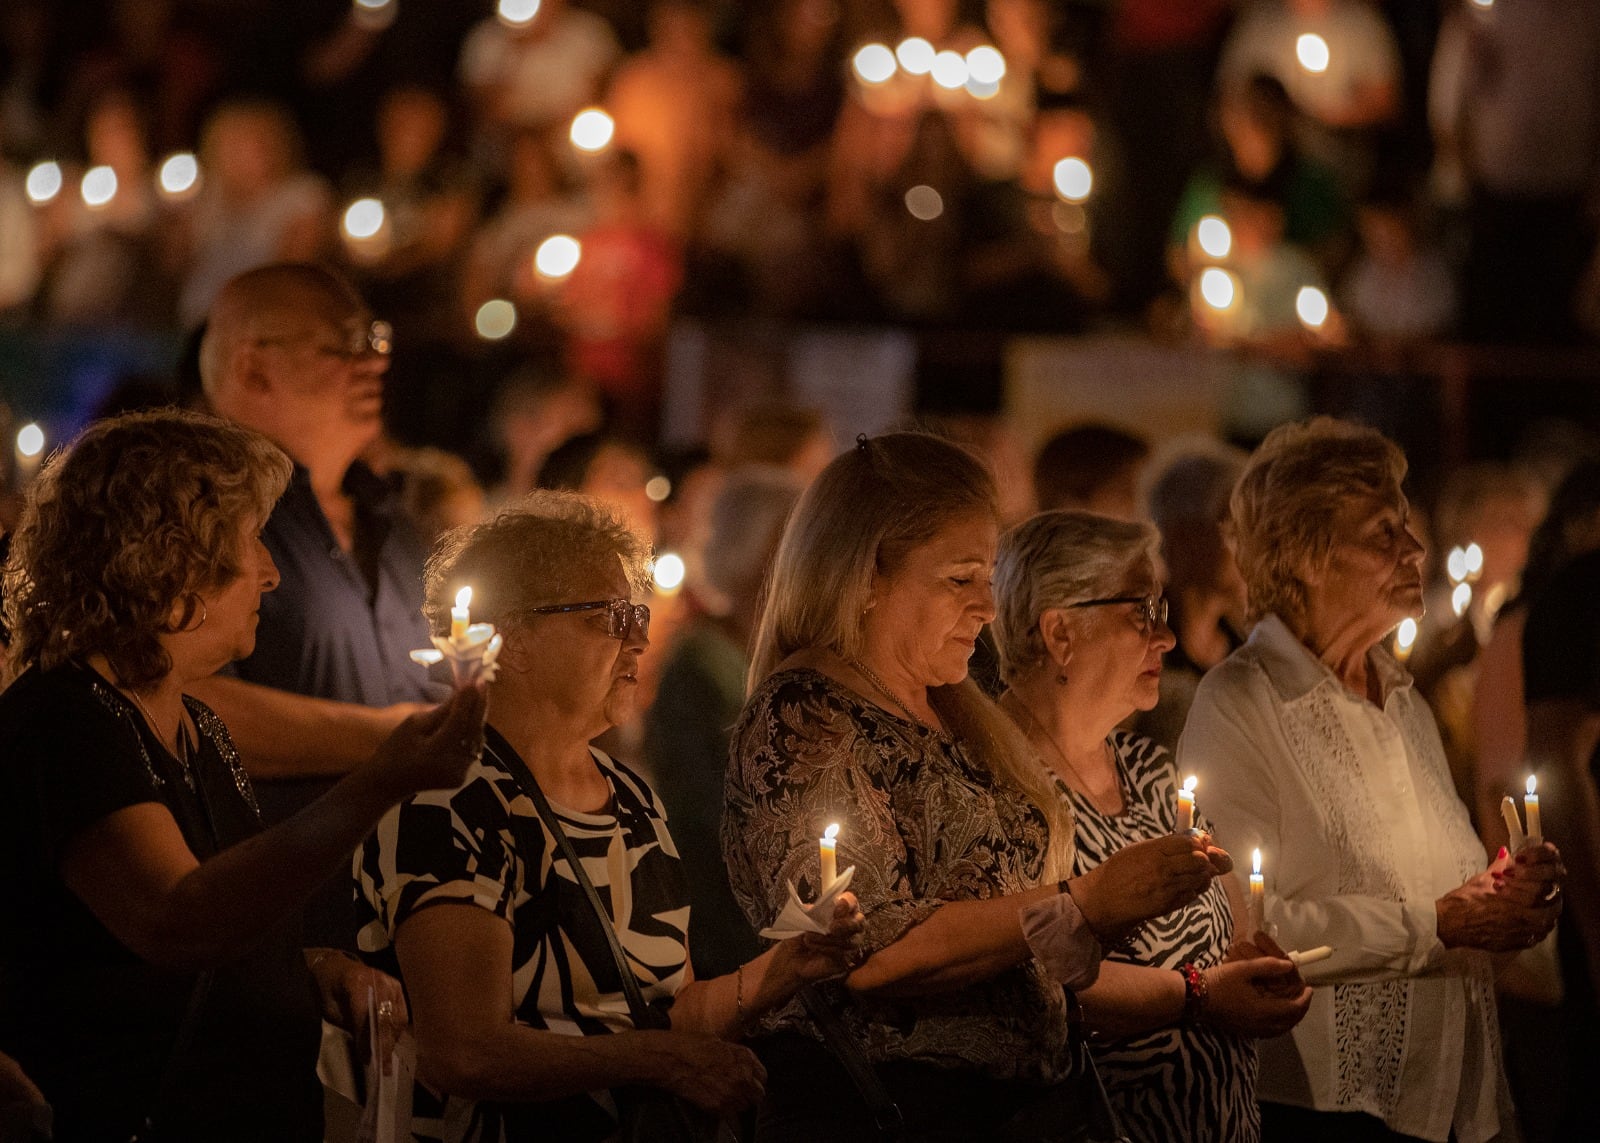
(1081, 626)
(525, 1026)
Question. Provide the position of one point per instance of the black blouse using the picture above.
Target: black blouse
(89, 1021)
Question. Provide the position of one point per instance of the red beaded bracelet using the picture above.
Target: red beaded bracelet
(1194, 993)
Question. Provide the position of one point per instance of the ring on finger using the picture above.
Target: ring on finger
(385, 1009)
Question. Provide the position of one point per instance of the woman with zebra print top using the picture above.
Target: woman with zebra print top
(1081, 627)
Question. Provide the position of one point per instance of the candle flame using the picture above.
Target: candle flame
(1461, 599)
(1190, 783)
(1406, 634)
(831, 832)
(1255, 861)
(1533, 785)
(464, 598)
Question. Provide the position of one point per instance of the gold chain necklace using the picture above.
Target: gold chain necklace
(180, 740)
(867, 674)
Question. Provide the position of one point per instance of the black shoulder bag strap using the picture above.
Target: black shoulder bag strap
(885, 1111)
(643, 1015)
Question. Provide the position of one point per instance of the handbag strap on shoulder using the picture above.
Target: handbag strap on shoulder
(847, 1050)
(644, 1017)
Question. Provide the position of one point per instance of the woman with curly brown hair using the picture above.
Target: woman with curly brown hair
(148, 971)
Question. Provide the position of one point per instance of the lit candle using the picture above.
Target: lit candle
(459, 618)
(830, 859)
(1508, 811)
(1258, 893)
(1186, 804)
(1530, 802)
(1405, 638)
(30, 452)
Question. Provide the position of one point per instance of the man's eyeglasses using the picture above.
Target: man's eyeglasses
(353, 341)
(1152, 608)
(622, 617)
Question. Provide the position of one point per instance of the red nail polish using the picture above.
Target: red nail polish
(1501, 856)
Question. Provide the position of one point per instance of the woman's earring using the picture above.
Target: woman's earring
(1061, 675)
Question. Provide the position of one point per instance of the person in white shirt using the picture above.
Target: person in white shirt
(1310, 743)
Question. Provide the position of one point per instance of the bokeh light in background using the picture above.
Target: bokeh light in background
(668, 572)
(1219, 288)
(950, 70)
(924, 203)
(1311, 306)
(517, 13)
(1214, 237)
(179, 175)
(30, 440)
(915, 55)
(1073, 179)
(1312, 52)
(99, 186)
(557, 256)
(495, 319)
(874, 64)
(364, 218)
(592, 130)
(44, 182)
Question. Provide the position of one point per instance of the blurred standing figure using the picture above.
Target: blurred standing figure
(1516, 111)
(1092, 468)
(257, 203)
(674, 105)
(1188, 503)
(538, 73)
(699, 698)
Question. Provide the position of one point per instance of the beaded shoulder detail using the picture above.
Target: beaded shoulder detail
(214, 729)
(118, 707)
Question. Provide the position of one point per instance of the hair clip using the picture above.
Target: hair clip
(862, 442)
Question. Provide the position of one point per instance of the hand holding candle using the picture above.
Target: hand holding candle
(1508, 812)
(471, 649)
(1186, 804)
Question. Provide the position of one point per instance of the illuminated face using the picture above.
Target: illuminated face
(927, 612)
(1116, 650)
(1373, 575)
(233, 610)
(326, 367)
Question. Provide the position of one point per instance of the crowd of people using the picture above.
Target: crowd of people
(974, 677)
(1189, 169)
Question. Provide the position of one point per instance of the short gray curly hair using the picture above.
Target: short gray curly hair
(549, 547)
(1056, 559)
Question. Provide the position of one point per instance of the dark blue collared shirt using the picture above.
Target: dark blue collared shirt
(328, 630)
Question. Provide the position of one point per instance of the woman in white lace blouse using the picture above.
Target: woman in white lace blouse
(1310, 743)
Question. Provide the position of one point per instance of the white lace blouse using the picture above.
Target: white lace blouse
(1361, 832)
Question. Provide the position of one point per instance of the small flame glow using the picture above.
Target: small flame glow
(950, 70)
(1405, 636)
(99, 186)
(1219, 288)
(986, 65)
(1474, 558)
(557, 256)
(1533, 786)
(179, 174)
(1461, 599)
(831, 832)
(464, 598)
(44, 182)
(517, 13)
(1190, 783)
(1455, 565)
(364, 218)
(1073, 179)
(1255, 862)
(592, 130)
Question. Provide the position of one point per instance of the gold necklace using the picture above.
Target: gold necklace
(179, 740)
(867, 674)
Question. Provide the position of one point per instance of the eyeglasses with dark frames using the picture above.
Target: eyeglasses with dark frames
(1152, 608)
(623, 617)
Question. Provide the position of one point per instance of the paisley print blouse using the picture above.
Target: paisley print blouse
(924, 824)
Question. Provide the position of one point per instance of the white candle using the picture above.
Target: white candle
(1311, 956)
(1186, 804)
(1508, 811)
(1530, 803)
(830, 859)
(1258, 893)
(459, 617)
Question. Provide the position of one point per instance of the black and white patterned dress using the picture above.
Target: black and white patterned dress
(1176, 1083)
(459, 847)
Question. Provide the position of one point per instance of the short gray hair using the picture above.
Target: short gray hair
(1289, 496)
(1056, 559)
(550, 547)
